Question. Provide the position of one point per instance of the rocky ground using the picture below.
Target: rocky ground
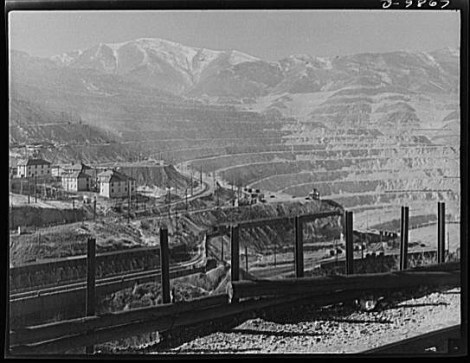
(335, 329)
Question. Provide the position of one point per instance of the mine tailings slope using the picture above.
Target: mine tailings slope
(260, 237)
(158, 175)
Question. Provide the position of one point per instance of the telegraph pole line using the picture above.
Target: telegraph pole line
(213, 179)
(94, 208)
(186, 193)
(128, 202)
(191, 182)
(169, 194)
(246, 258)
(275, 252)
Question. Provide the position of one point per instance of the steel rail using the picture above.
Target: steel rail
(442, 341)
(57, 340)
(112, 279)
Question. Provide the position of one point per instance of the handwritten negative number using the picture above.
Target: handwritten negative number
(432, 3)
(447, 2)
(387, 3)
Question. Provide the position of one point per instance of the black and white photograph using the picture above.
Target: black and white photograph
(236, 182)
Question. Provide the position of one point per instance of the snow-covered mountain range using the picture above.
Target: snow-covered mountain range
(172, 66)
(181, 69)
(120, 85)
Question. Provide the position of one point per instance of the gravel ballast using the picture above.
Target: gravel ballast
(333, 329)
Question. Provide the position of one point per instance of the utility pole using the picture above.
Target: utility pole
(128, 202)
(191, 182)
(213, 178)
(200, 175)
(275, 261)
(35, 189)
(186, 193)
(94, 208)
(246, 258)
(222, 249)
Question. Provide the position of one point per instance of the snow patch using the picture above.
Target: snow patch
(237, 57)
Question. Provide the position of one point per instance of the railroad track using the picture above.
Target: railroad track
(64, 335)
(79, 262)
(443, 341)
(107, 283)
(33, 305)
(281, 268)
(199, 261)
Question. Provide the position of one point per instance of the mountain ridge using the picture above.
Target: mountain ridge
(140, 83)
(196, 72)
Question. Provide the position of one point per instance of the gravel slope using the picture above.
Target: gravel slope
(334, 329)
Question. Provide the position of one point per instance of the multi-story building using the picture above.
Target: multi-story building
(33, 168)
(114, 184)
(70, 168)
(76, 181)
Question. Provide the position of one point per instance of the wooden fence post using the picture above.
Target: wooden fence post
(235, 252)
(298, 248)
(441, 230)
(91, 283)
(165, 265)
(349, 244)
(404, 238)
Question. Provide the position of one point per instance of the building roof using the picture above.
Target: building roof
(76, 167)
(109, 176)
(76, 175)
(34, 162)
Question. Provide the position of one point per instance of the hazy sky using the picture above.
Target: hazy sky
(267, 34)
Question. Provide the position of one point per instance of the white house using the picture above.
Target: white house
(114, 184)
(33, 168)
